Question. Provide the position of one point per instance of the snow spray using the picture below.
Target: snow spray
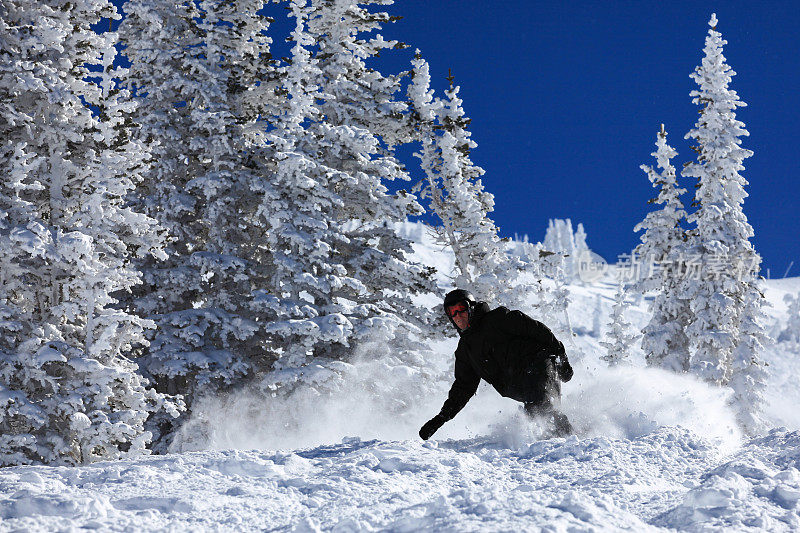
(383, 398)
(629, 402)
(370, 397)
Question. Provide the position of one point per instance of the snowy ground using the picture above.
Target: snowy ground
(654, 451)
(669, 478)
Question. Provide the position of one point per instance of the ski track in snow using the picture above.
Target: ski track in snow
(655, 452)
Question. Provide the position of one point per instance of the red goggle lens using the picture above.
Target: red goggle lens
(455, 311)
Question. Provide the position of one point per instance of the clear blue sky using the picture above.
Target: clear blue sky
(566, 99)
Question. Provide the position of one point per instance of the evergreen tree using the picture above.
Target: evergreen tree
(203, 77)
(340, 280)
(353, 94)
(360, 121)
(68, 393)
(560, 238)
(458, 197)
(553, 305)
(726, 329)
(298, 297)
(662, 228)
(792, 331)
(581, 248)
(621, 338)
(664, 341)
(748, 372)
(719, 243)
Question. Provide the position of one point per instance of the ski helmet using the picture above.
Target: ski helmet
(459, 296)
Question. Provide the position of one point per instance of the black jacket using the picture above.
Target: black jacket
(498, 346)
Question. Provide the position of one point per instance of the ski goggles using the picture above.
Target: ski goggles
(456, 310)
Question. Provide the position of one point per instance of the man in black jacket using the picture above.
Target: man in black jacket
(519, 356)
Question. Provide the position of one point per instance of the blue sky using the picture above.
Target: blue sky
(566, 99)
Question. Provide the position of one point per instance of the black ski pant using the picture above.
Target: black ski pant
(541, 395)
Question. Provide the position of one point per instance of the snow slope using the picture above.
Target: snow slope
(669, 478)
(654, 451)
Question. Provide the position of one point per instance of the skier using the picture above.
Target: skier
(519, 356)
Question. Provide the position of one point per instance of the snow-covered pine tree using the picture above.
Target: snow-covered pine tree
(726, 331)
(492, 270)
(458, 197)
(664, 341)
(345, 34)
(662, 228)
(748, 373)
(340, 281)
(68, 393)
(424, 108)
(581, 248)
(361, 121)
(202, 76)
(560, 237)
(340, 288)
(297, 298)
(792, 331)
(552, 303)
(620, 337)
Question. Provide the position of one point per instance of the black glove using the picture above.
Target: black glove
(431, 426)
(563, 368)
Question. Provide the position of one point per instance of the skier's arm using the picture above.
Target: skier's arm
(464, 387)
(519, 324)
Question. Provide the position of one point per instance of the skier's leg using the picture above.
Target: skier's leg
(543, 398)
(555, 419)
(536, 410)
(562, 425)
